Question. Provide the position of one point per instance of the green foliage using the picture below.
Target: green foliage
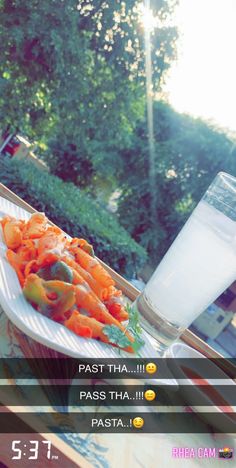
(188, 155)
(72, 77)
(75, 212)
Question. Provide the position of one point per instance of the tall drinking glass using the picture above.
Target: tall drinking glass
(198, 267)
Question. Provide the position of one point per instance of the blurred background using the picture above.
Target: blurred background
(115, 116)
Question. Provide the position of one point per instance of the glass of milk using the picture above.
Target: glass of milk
(198, 267)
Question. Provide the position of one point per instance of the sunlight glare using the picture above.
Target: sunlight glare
(148, 20)
(202, 81)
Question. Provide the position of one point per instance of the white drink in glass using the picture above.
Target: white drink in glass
(198, 267)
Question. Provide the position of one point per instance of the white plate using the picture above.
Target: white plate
(40, 328)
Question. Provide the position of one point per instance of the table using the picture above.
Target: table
(110, 450)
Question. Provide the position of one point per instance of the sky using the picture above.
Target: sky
(203, 81)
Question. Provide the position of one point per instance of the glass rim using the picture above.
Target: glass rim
(221, 194)
(225, 175)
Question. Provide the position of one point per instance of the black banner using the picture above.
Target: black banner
(159, 422)
(118, 395)
(152, 368)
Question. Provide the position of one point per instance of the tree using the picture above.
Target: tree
(189, 153)
(72, 77)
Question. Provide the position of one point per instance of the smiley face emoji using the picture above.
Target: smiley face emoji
(138, 422)
(151, 368)
(149, 395)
